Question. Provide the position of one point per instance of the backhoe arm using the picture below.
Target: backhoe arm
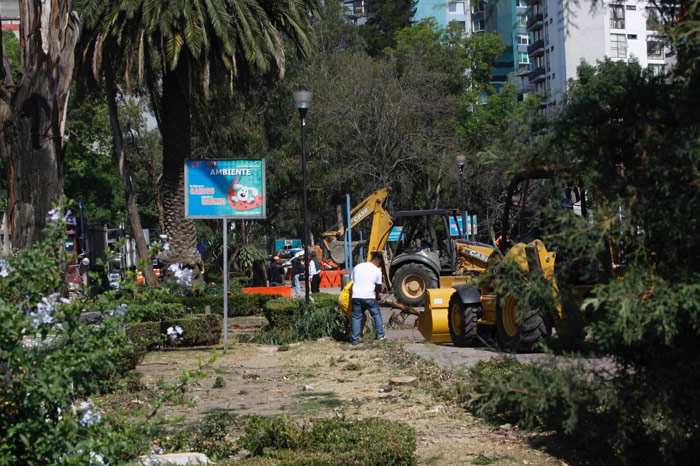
(372, 206)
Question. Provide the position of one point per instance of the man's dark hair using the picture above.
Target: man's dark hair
(376, 255)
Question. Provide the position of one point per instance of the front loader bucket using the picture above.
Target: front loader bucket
(433, 321)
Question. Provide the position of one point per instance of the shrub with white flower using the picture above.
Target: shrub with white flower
(119, 311)
(175, 333)
(183, 275)
(45, 308)
(96, 460)
(5, 268)
(54, 215)
(89, 414)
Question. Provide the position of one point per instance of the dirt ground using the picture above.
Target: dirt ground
(327, 378)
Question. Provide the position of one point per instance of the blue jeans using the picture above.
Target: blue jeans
(296, 284)
(359, 306)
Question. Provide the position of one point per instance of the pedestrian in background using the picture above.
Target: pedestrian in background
(314, 272)
(276, 272)
(365, 296)
(297, 270)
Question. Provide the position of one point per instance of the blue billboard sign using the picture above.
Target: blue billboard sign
(225, 188)
(471, 220)
(395, 233)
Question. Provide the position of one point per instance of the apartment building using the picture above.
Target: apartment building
(507, 18)
(564, 33)
(444, 12)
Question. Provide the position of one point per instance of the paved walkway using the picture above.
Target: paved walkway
(449, 356)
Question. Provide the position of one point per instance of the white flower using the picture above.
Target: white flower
(96, 460)
(163, 237)
(5, 268)
(120, 310)
(90, 415)
(54, 215)
(175, 333)
(183, 275)
(166, 247)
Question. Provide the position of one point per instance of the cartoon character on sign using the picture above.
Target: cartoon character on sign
(243, 197)
(243, 193)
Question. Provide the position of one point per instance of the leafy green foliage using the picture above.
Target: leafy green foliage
(51, 362)
(331, 441)
(11, 50)
(197, 329)
(211, 436)
(282, 313)
(383, 20)
(288, 322)
(630, 139)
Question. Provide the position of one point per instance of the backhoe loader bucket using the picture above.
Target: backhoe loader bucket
(336, 250)
(433, 321)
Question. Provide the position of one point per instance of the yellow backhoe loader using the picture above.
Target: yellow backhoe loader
(462, 313)
(412, 268)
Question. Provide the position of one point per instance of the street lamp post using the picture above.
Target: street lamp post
(461, 161)
(303, 102)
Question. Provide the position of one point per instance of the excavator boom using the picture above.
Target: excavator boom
(372, 206)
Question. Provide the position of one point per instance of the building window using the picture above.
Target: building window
(657, 69)
(617, 16)
(546, 59)
(456, 8)
(461, 25)
(655, 50)
(653, 19)
(478, 7)
(618, 46)
(546, 34)
(523, 58)
(522, 20)
(632, 36)
(478, 25)
(523, 39)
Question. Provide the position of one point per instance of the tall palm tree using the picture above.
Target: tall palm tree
(176, 48)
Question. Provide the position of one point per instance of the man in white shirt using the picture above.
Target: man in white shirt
(365, 296)
(314, 272)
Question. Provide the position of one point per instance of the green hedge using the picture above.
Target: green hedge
(282, 313)
(197, 329)
(239, 304)
(330, 442)
(324, 300)
(158, 311)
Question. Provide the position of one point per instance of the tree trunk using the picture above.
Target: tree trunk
(131, 207)
(33, 115)
(175, 129)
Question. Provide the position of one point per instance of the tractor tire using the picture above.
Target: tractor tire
(462, 321)
(411, 281)
(517, 329)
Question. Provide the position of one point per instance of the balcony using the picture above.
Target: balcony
(535, 21)
(536, 48)
(536, 75)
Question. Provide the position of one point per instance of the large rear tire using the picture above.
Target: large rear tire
(518, 329)
(463, 322)
(411, 281)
